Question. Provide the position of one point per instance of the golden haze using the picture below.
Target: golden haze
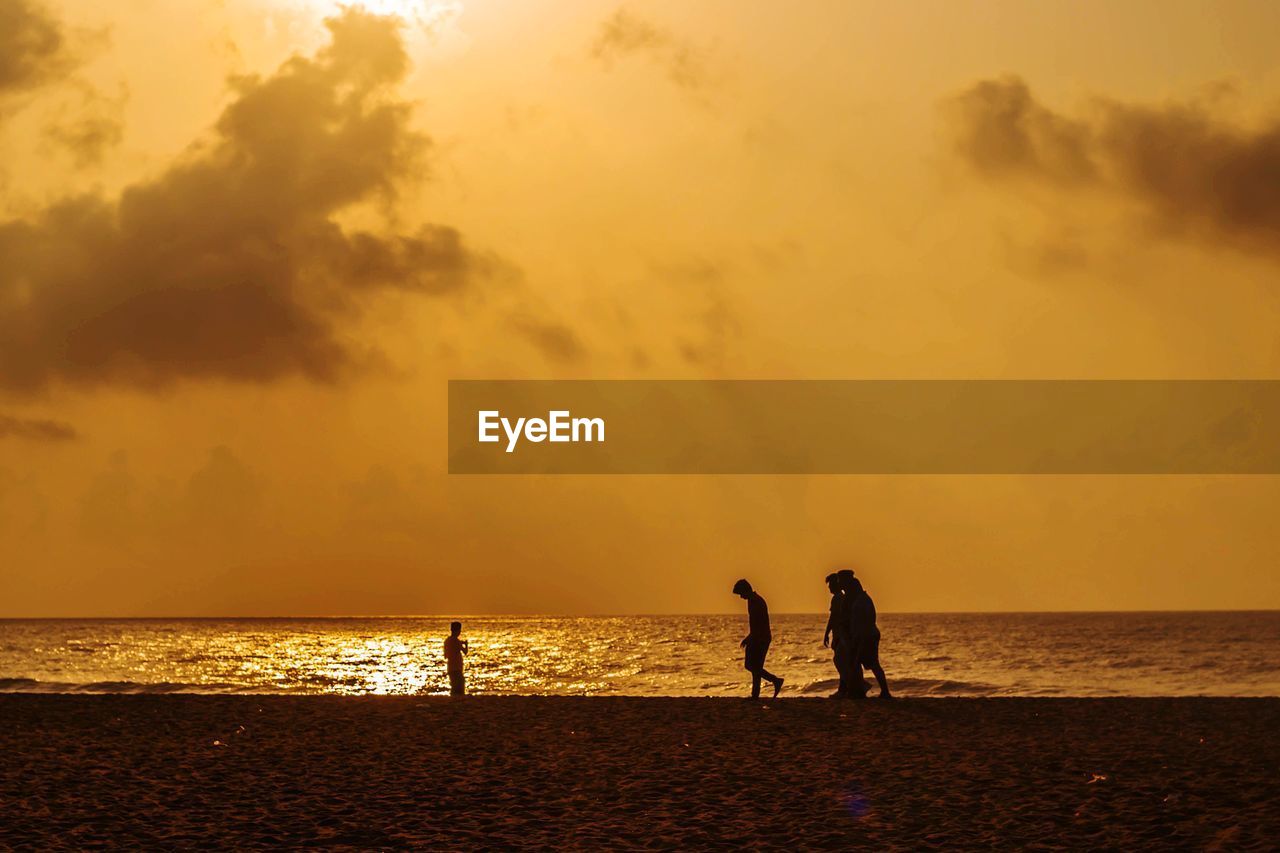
(244, 244)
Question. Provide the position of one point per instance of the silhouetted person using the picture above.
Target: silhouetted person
(836, 625)
(756, 643)
(866, 635)
(454, 648)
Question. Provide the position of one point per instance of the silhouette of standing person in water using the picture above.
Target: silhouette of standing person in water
(454, 648)
(756, 643)
(865, 636)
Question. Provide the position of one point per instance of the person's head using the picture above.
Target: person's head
(833, 583)
(845, 579)
(455, 628)
(742, 589)
(855, 585)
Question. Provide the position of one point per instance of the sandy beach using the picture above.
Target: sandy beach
(184, 772)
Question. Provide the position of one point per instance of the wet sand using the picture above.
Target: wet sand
(183, 772)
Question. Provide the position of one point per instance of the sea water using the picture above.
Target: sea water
(1033, 654)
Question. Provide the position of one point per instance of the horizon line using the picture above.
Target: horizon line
(607, 615)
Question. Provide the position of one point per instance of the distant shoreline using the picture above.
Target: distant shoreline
(727, 613)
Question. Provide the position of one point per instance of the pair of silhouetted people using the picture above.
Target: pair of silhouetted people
(854, 636)
(756, 644)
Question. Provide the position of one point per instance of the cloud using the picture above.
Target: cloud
(35, 429)
(1003, 131)
(625, 34)
(235, 263)
(38, 52)
(108, 507)
(89, 129)
(224, 495)
(33, 47)
(1191, 169)
(707, 323)
(553, 339)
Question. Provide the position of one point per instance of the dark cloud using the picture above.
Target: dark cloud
(35, 429)
(551, 338)
(33, 46)
(233, 263)
(1193, 170)
(1002, 131)
(625, 34)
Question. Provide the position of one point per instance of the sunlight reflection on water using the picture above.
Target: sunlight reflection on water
(994, 654)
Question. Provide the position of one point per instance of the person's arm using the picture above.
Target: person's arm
(465, 649)
(831, 625)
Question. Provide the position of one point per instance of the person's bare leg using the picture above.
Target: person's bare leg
(884, 682)
(755, 683)
(771, 678)
(842, 669)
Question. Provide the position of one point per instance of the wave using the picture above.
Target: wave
(941, 687)
(17, 685)
(901, 686)
(32, 685)
(914, 687)
(822, 685)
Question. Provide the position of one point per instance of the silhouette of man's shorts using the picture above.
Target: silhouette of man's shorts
(457, 684)
(754, 658)
(869, 650)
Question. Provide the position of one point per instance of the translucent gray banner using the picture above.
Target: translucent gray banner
(864, 427)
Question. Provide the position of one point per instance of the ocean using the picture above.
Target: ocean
(1008, 654)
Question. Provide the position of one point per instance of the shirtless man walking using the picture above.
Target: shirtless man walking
(756, 643)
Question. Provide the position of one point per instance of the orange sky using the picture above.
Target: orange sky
(243, 249)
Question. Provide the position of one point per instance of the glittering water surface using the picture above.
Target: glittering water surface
(1111, 654)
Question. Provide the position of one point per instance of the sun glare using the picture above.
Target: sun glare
(430, 30)
(426, 12)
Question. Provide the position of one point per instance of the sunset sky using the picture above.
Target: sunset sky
(245, 243)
